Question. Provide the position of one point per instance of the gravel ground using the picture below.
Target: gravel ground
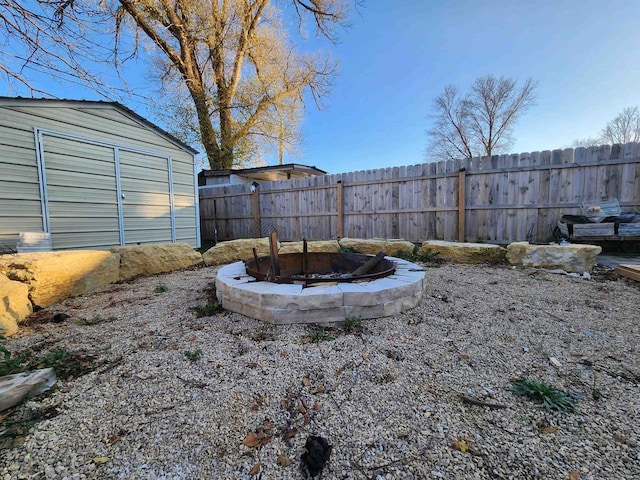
(391, 395)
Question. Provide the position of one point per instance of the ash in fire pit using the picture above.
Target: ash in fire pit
(298, 291)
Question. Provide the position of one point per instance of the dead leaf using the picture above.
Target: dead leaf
(253, 440)
(254, 365)
(574, 475)
(283, 461)
(255, 469)
(284, 354)
(320, 389)
(100, 460)
(219, 365)
(173, 347)
(198, 327)
(302, 409)
(117, 437)
(290, 433)
(338, 372)
(365, 356)
(267, 424)
(461, 445)
(255, 406)
(549, 429)
(463, 356)
(191, 339)
(317, 406)
(305, 381)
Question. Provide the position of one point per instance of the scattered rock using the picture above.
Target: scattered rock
(15, 388)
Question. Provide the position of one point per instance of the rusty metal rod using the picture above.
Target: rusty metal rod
(255, 259)
(367, 266)
(305, 258)
(273, 247)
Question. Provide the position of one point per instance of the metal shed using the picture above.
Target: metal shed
(94, 175)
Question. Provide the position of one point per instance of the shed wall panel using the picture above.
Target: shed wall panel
(81, 176)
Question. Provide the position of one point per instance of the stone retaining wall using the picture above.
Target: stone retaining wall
(29, 280)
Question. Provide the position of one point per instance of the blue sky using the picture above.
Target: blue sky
(398, 56)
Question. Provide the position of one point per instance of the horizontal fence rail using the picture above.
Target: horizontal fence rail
(498, 199)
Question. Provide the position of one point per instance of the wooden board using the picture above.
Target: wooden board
(629, 271)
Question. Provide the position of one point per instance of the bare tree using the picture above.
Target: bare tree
(480, 122)
(624, 128)
(586, 142)
(232, 58)
(60, 39)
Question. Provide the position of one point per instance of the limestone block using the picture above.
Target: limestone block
(14, 305)
(234, 250)
(460, 252)
(153, 259)
(323, 246)
(54, 276)
(571, 258)
(15, 388)
(375, 245)
(326, 315)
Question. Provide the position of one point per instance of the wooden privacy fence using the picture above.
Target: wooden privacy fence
(498, 199)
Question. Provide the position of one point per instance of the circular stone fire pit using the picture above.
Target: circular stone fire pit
(323, 301)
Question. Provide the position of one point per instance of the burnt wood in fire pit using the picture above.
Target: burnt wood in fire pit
(305, 268)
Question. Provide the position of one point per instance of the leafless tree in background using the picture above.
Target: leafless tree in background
(480, 122)
(624, 128)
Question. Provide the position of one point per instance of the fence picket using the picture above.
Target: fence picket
(507, 198)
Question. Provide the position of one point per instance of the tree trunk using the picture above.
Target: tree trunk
(226, 134)
(207, 132)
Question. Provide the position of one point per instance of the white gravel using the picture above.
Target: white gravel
(386, 397)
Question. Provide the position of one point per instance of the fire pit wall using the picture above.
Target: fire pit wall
(287, 303)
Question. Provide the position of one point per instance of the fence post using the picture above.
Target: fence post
(256, 210)
(340, 210)
(461, 204)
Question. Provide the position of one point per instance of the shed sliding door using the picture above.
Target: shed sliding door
(146, 198)
(99, 195)
(81, 192)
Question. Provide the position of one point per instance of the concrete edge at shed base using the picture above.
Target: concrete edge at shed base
(570, 258)
(288, 304)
